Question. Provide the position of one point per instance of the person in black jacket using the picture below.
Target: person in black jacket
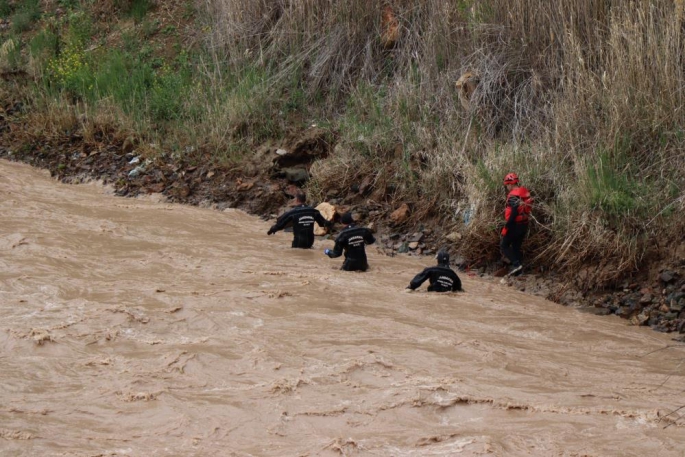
(442, 278)
(302, 218)
(352, 240)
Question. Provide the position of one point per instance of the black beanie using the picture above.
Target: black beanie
(347, 218)
(443, 258)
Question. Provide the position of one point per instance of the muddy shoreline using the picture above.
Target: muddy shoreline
(261, 188)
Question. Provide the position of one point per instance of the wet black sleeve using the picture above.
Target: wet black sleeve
(419, 279)
(513, 203)
(337, 250)
(321, 221)
(281, 222)
(368, 237)
(456, 285)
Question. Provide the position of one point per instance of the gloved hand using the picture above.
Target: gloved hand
(326, 251)
(270, 232)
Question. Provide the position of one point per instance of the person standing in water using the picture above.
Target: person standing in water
(302, 218)
(441, 277)
(516, 216)
(352, 241)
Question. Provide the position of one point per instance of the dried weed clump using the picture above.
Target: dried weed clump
(344, 168)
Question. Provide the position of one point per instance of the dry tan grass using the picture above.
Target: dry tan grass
(344, 168)
(6, 48)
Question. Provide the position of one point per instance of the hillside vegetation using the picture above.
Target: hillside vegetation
(582, 98)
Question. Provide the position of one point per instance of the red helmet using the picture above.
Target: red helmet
(511, 178)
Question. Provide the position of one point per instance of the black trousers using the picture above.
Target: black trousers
(511, 243)
(437, 289)
(303, 241)
(354, 265)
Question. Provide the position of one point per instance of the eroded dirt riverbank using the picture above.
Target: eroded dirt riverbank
(133, 327)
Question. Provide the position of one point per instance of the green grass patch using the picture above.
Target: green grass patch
(130, 81)
(69, 4)
(70, 71)
(5, 8)
(189, 10)
(490, 181)
(44, 43)
(255, 114)
(27, 13)
(79, 29)
(137, 9)
(610, 188)
(166, 98)
(615, 187)
(366, 124)
(125, 80)
(44, 46)
(149, 28)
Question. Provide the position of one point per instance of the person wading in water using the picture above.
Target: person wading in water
(302, 218)
(441, 277)
(352, 241)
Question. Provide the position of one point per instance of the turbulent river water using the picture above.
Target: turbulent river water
(141, 328)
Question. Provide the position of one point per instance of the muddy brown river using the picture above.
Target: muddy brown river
(134, 327)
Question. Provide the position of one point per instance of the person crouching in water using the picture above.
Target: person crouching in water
(352, 241)
(442, 278)
(302, 218)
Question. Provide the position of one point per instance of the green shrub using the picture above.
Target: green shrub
(44, 46)
(615, 187)
(5, 8)
(126, 80)
(70, 4)
(45, 43)
(27, 13)
(137, 9)
(149, 28)
(79, 30)
(252, 110)
(166, 98)
(366, 125)
(70, 71)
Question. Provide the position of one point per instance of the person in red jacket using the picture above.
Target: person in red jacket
(516, 216)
